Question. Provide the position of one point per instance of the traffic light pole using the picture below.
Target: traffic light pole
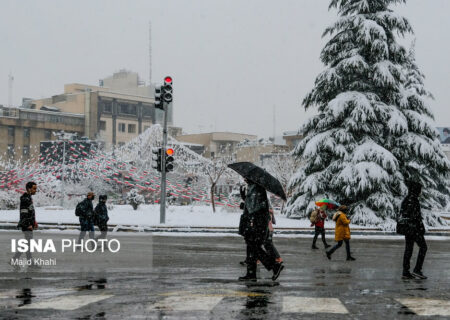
(162, 204)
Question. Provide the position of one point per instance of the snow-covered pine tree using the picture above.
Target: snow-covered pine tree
(418, 150)
(347, 152)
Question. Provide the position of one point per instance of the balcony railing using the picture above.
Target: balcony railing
(73, 119)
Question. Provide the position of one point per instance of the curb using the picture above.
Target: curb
(229, 230)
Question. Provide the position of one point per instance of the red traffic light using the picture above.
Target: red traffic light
(169, 152)
(168, 80)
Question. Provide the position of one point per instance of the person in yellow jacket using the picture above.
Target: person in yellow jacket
(342, 232)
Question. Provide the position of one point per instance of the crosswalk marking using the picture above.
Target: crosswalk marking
(427, 307)
(69, 302)
(198, 302)
(293, 304)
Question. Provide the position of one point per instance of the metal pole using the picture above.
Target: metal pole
(162, 207)
(62, 174)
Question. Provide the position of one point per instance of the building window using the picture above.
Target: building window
(127, 108)
(146, 127)
(102, 125)
(26, 151)
(26, 132)
(11, 131)
(121, 144)
(47, 134)
(131, 128)
(122, 127)
(107, 107)
(11, 150)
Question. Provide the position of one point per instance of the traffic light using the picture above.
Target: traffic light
(167, 89)
(157, 158)
(169, 160)
(158, 101)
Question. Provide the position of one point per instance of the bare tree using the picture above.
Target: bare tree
(282, 166)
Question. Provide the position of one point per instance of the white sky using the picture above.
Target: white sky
(232, 60)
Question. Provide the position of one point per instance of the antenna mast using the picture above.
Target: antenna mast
(150, 53)
(10, 89)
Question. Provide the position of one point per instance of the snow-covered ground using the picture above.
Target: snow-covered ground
(149, 215)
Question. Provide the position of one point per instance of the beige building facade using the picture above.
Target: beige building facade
(217, 144)
(253, 153)
(22, 130)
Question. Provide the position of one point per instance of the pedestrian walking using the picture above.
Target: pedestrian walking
(254, 226)
(318, 217)
(101, 217)
(342, 232)
(27, 222)
(85, 212)
(268, 243)
(411, 225)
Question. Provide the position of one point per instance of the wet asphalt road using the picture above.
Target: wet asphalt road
(159, 277)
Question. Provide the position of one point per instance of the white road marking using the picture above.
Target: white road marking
(69, 302)
(293, 304)
(427, 307)
(197, 302)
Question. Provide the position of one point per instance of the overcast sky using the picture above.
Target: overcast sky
(233, 61)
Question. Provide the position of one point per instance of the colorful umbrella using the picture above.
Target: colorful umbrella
(331, 204)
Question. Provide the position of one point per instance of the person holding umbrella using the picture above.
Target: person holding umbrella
(318, 221)
(318, 218)
(254, 224)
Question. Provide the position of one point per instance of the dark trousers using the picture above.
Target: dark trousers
(255, 252)
(28, 235)
(339, 244)
(103, 231)
(86, 226)
(317, 231)
(409, 246)
(270, 247)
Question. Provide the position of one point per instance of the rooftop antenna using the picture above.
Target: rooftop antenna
(150, 53)
(274, 124)
(10, 89)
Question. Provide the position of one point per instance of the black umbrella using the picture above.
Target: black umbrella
(259, 176)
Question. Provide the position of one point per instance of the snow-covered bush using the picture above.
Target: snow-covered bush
(9, 200)
(134, 198)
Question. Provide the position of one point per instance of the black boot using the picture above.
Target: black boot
(277, 268)
(251, 273)
(350, 258)
(314, 246)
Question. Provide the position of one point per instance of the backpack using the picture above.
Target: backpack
(314, 215)
(78, 210)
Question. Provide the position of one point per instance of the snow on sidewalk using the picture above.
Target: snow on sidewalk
(148, 215)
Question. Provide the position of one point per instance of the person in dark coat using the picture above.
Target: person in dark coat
(85, 211)
(101, 217)
(254, 228)
(415, 231)
(27, 222)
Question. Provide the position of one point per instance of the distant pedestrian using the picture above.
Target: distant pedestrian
(254, 226)
(101, 217)
(414, 231)
(342, 232)
(318, 217)
(85, 212)
(27, 222)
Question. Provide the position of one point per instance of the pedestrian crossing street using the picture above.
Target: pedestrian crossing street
(193, 301)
